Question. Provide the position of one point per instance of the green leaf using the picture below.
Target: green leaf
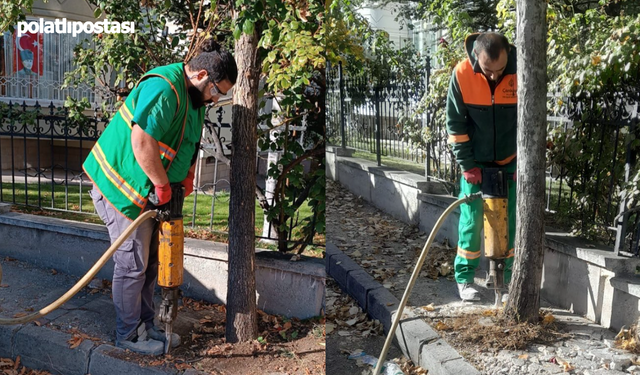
(248, 27)
(237, 32)
(97, 12)
(175, 41)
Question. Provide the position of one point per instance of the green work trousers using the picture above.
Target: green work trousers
(470, 231)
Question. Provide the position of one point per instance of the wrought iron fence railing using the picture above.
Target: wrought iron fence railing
(590, 159)
(42, 151)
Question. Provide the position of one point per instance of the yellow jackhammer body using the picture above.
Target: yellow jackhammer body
(170, 258)
(495, 196)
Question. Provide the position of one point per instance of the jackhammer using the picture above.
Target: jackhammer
(170, 256)
(495, 196)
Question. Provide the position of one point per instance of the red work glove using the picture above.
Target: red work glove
(188, 184)
(473, 175)
(163, 192)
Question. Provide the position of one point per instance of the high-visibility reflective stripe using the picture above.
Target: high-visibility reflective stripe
(126, 115)
(116, 179)
(511, 253)
(460, 138)
(166, 151)
(506, 161)
(468, 254)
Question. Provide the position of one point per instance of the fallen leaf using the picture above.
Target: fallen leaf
(390, 304)
(286, 326)
(344, 333)
(328, 328)
(523, 356)
(20, 315)
(429, 307)
(183, 366)
(54, 272)
(15, 365)
(548, 319)
(4, 285)
(441, 326)
(74, 342)
(356, 254)
(351, 322)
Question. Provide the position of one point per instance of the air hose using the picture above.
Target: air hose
(414, 276)
(86, 278)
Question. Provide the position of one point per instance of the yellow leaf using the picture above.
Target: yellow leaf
(548, 319)
(429, 307)
(441, 326)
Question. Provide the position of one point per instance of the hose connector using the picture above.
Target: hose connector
(472, 197)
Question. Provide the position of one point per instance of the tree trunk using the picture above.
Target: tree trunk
(241, 291)
(524, 297)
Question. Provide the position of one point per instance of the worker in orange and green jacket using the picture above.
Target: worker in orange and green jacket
(482, 128)
(151, 142)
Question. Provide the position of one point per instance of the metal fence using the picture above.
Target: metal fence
(41, 156)
(367, 116)
(591, 152)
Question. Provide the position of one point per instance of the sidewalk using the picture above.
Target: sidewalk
(90, 316)
(372, 256)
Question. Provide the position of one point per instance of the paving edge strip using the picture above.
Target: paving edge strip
(44, 348)
(417, 340)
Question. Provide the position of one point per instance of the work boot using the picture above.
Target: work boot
(505, 297)
(140, 342)
(160, 335)
(467, 292)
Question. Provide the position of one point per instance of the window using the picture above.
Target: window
(33, 65)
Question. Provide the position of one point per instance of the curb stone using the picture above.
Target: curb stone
(102, 363)
(417, 340)
(41, 347)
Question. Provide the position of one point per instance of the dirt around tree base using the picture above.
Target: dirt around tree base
(284, 347)
(487, 330)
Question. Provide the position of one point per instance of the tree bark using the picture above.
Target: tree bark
(242, 323)
(524, 297)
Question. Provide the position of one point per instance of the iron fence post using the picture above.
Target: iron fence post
(342, 119)
(622, 222)
(378, 125)
(427, 164)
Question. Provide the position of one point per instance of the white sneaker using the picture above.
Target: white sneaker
(468, 293)
(505, 297)
(140, 342)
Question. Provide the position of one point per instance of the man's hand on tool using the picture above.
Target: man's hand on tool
(473, 175)
(163, 192)
(188, 183)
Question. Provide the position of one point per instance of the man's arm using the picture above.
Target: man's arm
(147, 154)
(457, 126)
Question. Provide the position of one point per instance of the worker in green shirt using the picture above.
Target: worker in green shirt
(151, 141)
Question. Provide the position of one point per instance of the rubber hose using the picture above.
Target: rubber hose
(414, 276)
(86, 278)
